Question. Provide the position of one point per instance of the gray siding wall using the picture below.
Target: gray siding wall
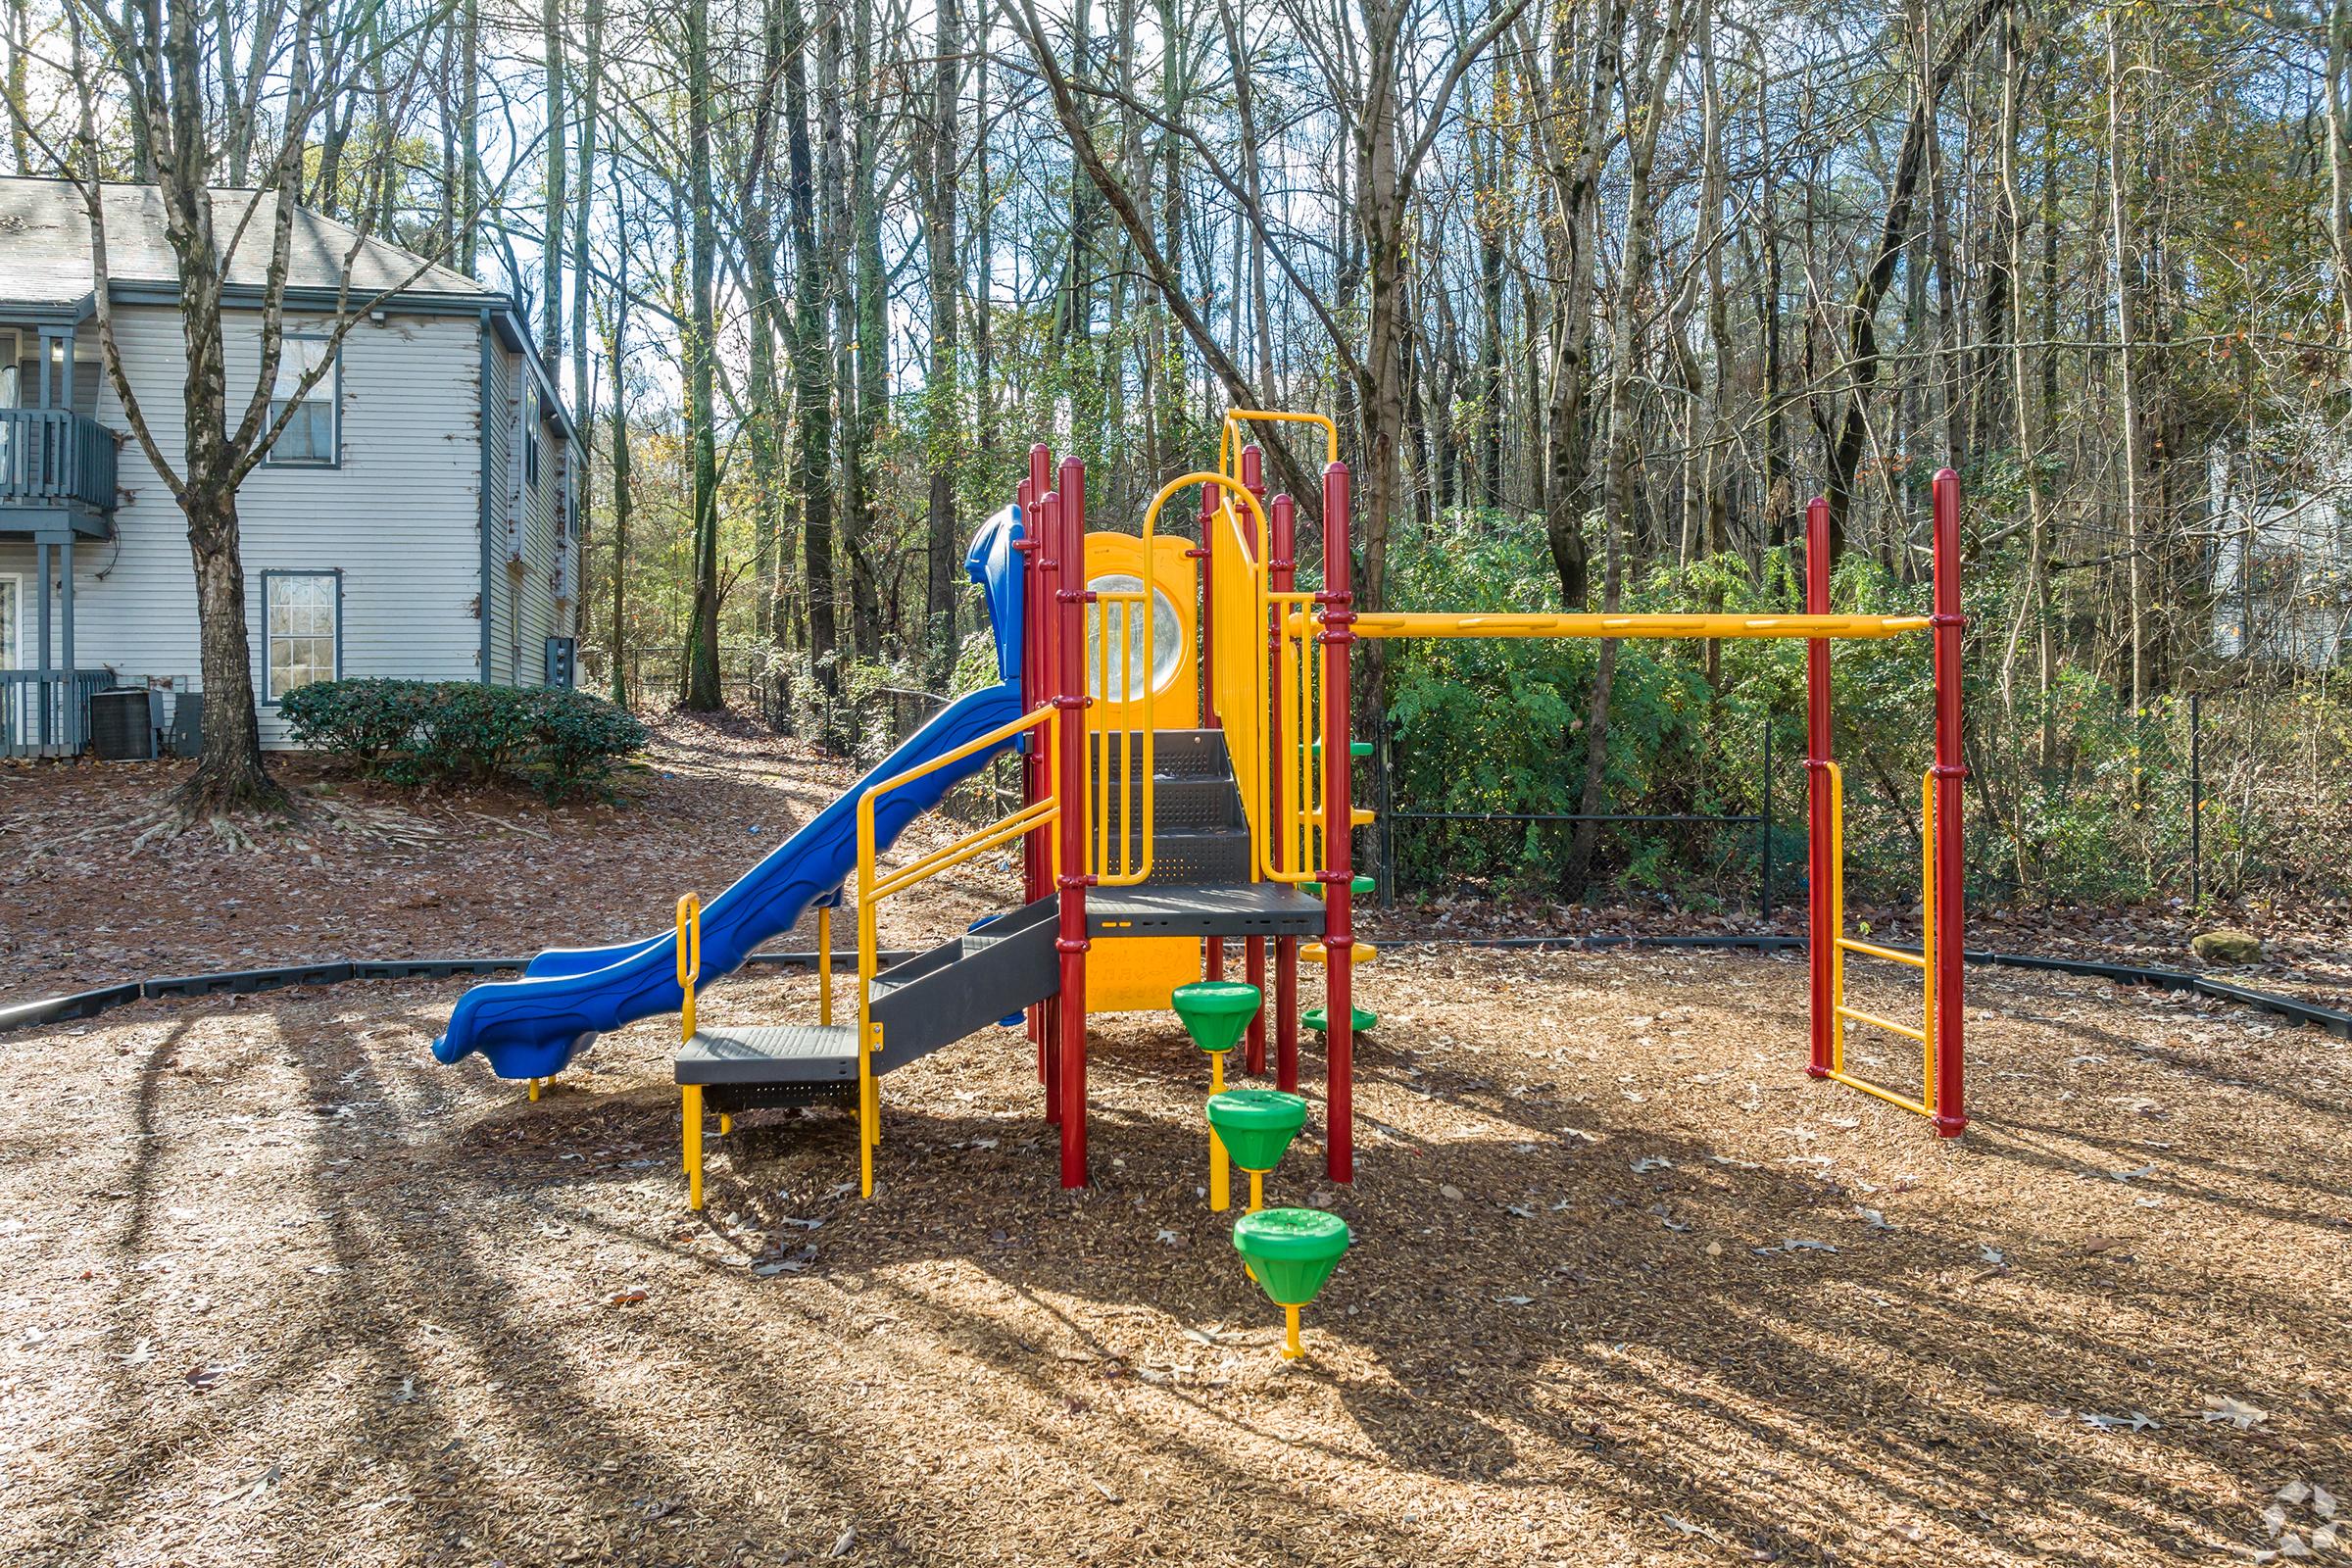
(398, 520)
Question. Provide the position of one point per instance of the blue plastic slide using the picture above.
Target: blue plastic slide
(532, 1027)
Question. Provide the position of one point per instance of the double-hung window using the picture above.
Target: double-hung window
(304, 613)
(312, 437)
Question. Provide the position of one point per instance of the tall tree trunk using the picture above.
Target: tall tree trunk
(1850, 436)
(864, 333)
(942, 405)
(583, 201)
(2120, 236)
(813, 369)
(624, 494)
(1617, 467)
(702, 691)
(469, 111)
(559, 209)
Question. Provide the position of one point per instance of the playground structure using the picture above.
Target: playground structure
(1180, 713)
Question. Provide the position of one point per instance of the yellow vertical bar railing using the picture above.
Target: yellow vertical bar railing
(873, 887)
(1842, 945)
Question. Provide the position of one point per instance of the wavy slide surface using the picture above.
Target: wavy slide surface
(532, 1027)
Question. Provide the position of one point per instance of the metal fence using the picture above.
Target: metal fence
(46, 712)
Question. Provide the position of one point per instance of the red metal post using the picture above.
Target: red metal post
(1069, 703)
(1032, 764)
(1253, 949)
(1818, 935)
(1951, 1114)
(1339, 925)
(1281, 570)
(1049, 654)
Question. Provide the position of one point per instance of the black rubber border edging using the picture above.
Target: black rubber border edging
(244, 982)
(2331, 1019)
(90, 1004)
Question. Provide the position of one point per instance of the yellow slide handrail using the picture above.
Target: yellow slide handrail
(872, 887)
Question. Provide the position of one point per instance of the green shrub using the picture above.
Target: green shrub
(361, 721)
(561, 743)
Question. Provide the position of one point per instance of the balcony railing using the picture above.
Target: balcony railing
(56, 457)
(46, 712)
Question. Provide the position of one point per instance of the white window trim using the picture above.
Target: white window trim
(271, 697)
(330, 390)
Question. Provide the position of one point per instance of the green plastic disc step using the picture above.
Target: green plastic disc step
(1256, 1125)
(1361, 1018)
(1354, 747)
(1355, 884)
(1292, 1252)
(1217, 1011)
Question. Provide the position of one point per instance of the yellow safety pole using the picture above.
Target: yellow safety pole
(1257, 1191)
(1837, 918)
(824, 964)
(1292, 1349)
(1220, 1168)
(691, 1110)
(534, 1090)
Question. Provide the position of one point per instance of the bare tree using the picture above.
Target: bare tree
(189, 114)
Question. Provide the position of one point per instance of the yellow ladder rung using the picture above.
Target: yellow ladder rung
(1888, 1024)
(1314, 952)
(1362, 816)
(1871, 951)
(1888, 1095)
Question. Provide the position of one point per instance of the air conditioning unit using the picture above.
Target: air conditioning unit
(122, 725)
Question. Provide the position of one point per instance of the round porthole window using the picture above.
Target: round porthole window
(1114, 625)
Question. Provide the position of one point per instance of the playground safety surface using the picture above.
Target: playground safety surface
(1627, 1289)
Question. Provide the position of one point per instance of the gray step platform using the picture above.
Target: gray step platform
(1203, 910)
(782, 1053)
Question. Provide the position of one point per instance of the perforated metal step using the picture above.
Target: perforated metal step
(1204, 909)
(779, 1053)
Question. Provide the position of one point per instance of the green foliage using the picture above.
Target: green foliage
(560, 743)
(1498, 727)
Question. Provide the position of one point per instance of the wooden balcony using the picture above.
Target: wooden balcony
(57, 471)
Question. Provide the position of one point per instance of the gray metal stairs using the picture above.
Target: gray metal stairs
(1200, 887)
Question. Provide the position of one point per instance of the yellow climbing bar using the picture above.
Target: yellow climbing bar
(1842, 944)
(1227, 453)
(1389, 624)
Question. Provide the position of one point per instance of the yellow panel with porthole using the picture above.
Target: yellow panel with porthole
(1136, 974)
(1115, 562)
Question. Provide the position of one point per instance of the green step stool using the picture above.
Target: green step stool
(1290, 1252)
(1255, 1126)
(1214, 1015)
(1359, 1019)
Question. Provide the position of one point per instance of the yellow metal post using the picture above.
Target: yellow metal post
(690, 958)
(1292, 1349)
(1257, 1191)
(534, 1091)
(691, 1114)
(824, 964)
(1220, 1168)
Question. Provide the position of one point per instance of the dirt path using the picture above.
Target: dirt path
(371, 872)
(276, 1288)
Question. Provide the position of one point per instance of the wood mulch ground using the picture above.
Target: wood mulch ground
(1627, 1288)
